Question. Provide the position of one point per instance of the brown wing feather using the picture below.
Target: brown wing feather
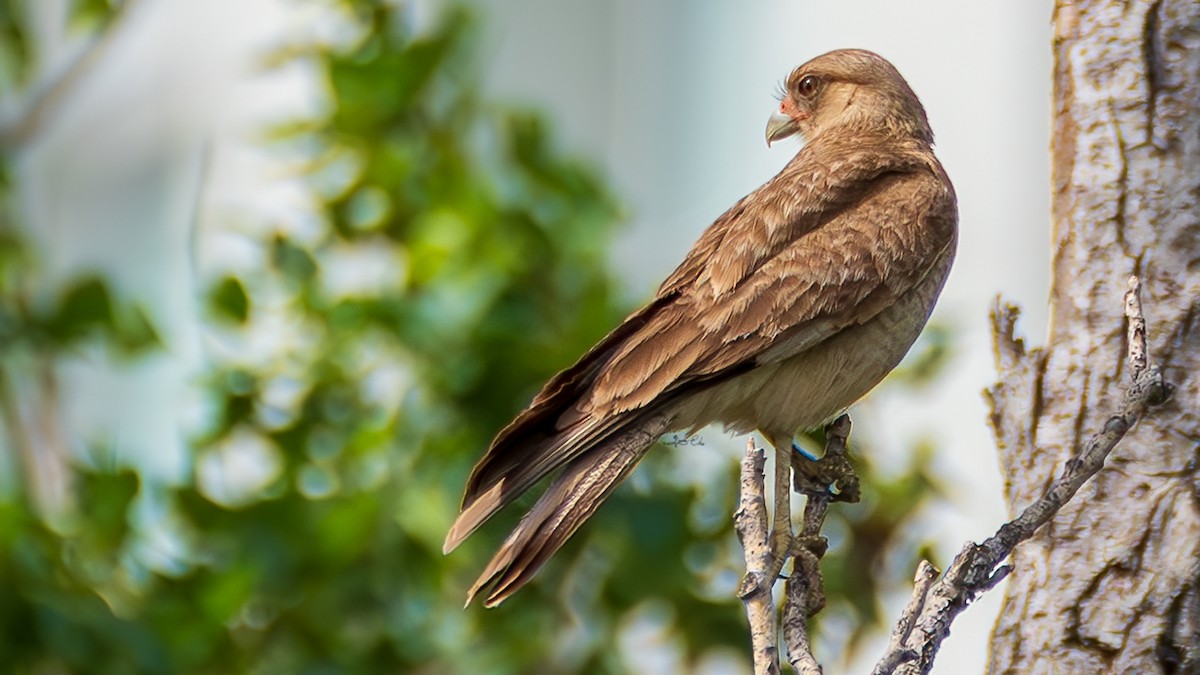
(559, 423)
(567, 503)
(536, 442)
(711, 318)
(832, 277)
(795, 202)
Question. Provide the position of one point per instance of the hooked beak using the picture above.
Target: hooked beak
(780, 126)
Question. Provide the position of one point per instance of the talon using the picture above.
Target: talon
(831, 476)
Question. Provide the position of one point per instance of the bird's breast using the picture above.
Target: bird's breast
(812, 387)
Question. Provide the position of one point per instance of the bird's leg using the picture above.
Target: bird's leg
(781, 525)
(832, 473)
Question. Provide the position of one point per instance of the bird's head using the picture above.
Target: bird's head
(848, 89)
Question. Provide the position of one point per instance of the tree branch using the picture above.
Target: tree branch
(804, 591)
(767, 554)
(926, 620)
(755, 590)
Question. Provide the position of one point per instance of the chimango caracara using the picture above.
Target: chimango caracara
(791, 306)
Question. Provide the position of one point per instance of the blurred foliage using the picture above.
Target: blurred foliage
(14, 48)
(310, 538)
(83, 313)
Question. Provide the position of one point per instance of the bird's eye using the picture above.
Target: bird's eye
(809, 84)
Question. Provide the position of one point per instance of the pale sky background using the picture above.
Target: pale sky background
(668, 98)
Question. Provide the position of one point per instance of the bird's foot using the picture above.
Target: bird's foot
(831, 475)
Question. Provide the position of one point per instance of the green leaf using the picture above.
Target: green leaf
(15, 61)
(229, 300)
(87, 310)
(84, 307)
(92, 14)
(106, 497)
(135, 332)
(294, 262)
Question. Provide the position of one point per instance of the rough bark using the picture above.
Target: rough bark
(1113, 583)
(755, 590)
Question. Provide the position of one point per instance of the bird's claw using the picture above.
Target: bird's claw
(832, 475)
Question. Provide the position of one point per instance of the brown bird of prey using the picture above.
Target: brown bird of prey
(791, 306)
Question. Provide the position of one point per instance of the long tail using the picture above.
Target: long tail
(570, 500)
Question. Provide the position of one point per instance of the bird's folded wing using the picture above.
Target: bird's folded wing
(786, 208)
(537, 442)
(726, 308)
(860, 261)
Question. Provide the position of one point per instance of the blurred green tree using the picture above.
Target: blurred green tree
(363, 425)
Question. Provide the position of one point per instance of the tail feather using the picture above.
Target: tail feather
(570, 500)
(507, 483)
(549, 433)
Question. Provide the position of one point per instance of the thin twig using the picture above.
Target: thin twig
(797, 591)
(804, 591)
(896, 652)
(755, 590)
(977, 568)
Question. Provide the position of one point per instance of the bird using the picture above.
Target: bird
(790, 307)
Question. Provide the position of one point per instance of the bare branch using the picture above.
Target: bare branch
(897, 653)
(798, 593)
(755, 590)
(804, 591)
(977, 568)
(766, 555)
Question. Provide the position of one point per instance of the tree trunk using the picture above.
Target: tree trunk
(1112, 585)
